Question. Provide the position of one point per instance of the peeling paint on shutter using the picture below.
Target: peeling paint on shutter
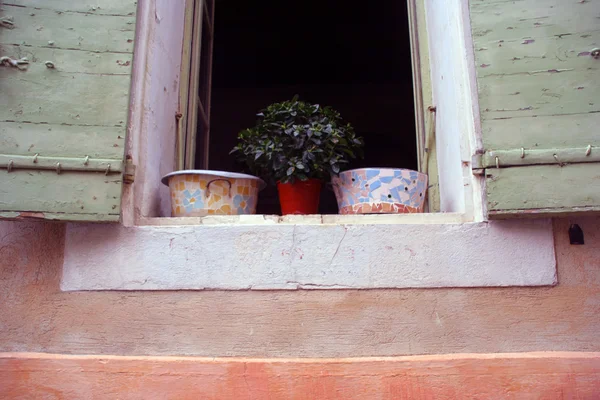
(538, 79)
(64, 101)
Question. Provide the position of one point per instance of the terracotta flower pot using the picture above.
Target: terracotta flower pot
(300, 197)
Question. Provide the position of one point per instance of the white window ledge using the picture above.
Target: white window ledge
(314, 252)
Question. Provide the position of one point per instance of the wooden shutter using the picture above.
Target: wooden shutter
(64, 102)
(538, 77)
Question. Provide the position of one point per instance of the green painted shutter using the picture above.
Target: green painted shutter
(538, 78)
(64, 102)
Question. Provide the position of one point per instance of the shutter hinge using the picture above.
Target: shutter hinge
(477, 164)
(129, 174)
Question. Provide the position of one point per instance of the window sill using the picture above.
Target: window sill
(319, 219)
(319, 252)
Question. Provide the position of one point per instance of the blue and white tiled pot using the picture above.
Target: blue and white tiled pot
(380, 191)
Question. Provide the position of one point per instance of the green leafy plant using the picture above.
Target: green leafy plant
(297, 140)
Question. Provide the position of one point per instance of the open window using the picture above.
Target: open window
(508, 115)
(364, 62)
(71, 135)
(195, 85)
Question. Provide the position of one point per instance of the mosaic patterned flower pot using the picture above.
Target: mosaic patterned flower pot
(300, 197)
(197, 193)
(380, 191)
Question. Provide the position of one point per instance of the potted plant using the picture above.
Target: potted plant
(298, 146)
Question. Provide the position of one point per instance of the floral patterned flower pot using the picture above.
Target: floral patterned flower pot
(197, 193)
(380, 191)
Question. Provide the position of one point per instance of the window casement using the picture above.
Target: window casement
(195, 85)
(195, 98)
(500, 145)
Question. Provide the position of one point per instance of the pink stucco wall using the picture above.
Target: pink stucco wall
(37, 317)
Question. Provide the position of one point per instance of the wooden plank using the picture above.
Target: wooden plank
(443, 377)
(70, 101)
(538, 90)
(29, 216)
(73, 61)
(423, 99)
(553, 53)
(44, 95)
(184, 82)
(556, 131)
(68, 192)
(541, 94)
(519, 189)
(192, 110)
(206, 75)
(520, 157)
(519, 19)
(98, 33)
(98, 7)
(12, 162)
(57, 140)
(544, 212)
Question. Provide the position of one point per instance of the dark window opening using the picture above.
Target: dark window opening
(354, 59)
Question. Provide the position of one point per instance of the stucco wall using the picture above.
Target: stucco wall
(37, 317)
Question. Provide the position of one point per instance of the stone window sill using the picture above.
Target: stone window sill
(309, 252)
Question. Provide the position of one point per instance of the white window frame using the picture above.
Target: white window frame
(454, 248)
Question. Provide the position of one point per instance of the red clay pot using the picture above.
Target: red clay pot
(300, 197)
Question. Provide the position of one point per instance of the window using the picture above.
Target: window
(86, 149)
(195, 86)
(80, 155)
(357, 60)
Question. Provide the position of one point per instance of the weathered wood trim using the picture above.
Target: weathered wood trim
(522, 157)
(423, 99)
(208, 76)
(66, 30)
(136, 121)
(192, 105)
(184, 82)
(151, 142)
(543, 190)
(544, 212)
(63, 112)
(109, 7)
(551, 375)
(74, 217)
(538, 85)
(59, 164)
